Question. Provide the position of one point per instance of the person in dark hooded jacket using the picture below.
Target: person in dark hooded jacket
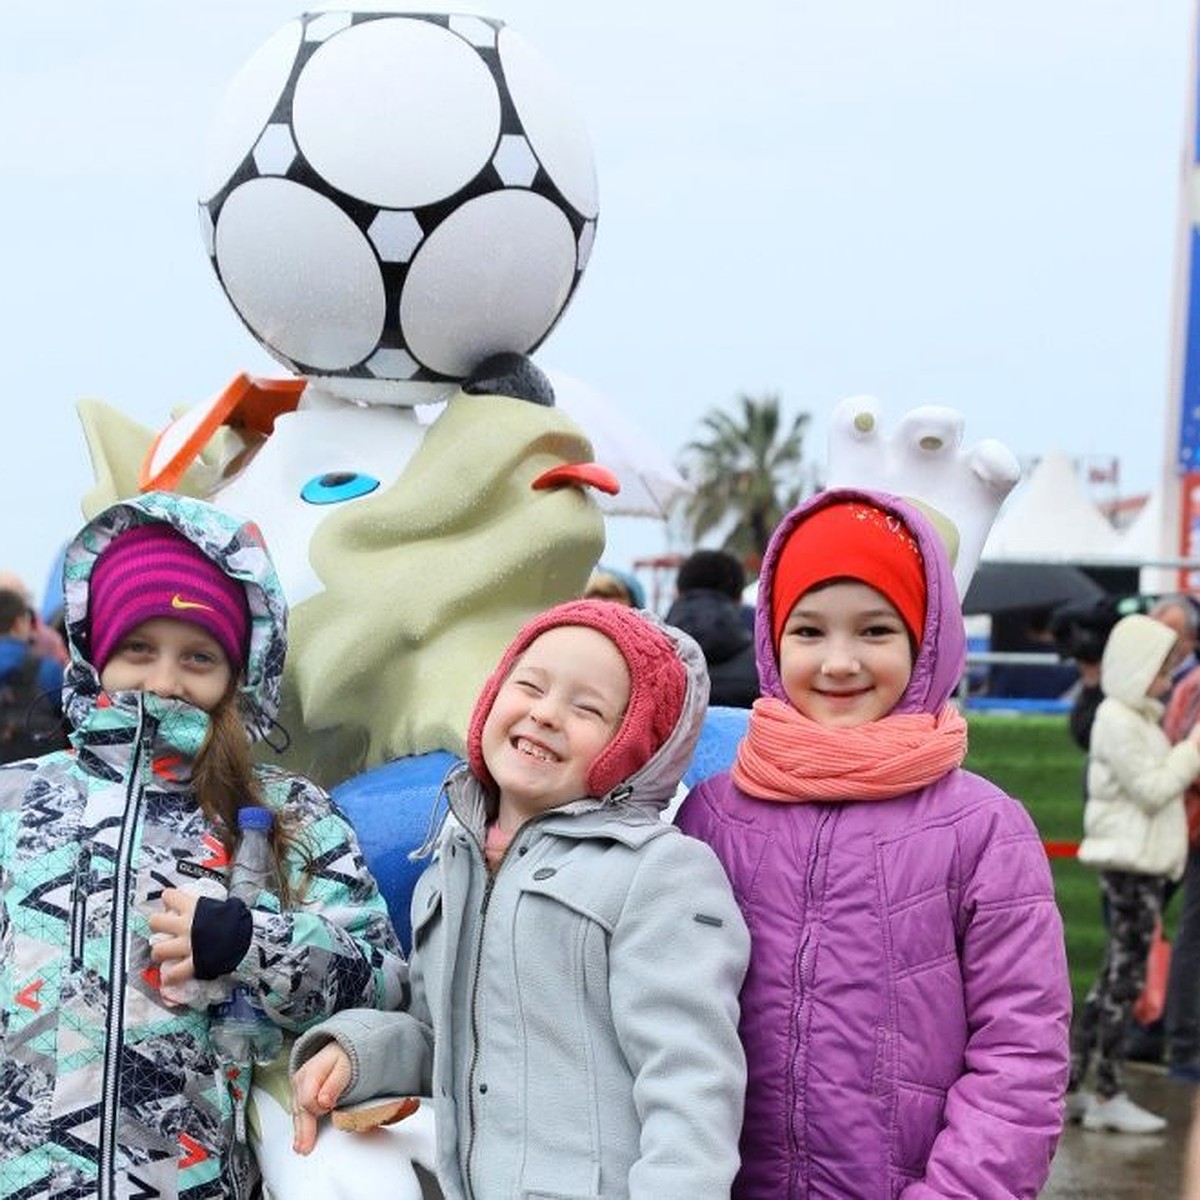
(709, 607)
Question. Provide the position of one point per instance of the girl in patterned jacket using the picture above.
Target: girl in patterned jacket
(176, 625)
(906, 1010)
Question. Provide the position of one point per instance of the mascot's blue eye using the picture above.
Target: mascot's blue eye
(337, 486)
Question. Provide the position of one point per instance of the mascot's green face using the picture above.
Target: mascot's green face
(405, 587)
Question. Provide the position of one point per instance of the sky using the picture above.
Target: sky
(972, 204)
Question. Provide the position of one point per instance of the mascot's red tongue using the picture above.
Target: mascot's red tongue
(578, 475)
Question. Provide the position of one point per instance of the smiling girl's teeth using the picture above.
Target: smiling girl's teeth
(534, 751)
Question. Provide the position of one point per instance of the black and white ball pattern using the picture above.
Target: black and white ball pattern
(389, 198)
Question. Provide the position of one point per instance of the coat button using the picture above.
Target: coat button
(544, 872)
(482, 1088)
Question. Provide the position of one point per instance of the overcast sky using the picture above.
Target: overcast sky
(969, 203)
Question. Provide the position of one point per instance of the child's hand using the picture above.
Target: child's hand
(315, 1090)
(174, 949)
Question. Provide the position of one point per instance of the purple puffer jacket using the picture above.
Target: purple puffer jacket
(907, 1007)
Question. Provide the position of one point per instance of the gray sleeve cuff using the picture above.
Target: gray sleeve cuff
(388, 1052)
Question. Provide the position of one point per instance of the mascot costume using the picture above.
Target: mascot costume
(420, 490)
(399, 207)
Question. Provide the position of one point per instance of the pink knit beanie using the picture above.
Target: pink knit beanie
(657, 687)
(154, 571)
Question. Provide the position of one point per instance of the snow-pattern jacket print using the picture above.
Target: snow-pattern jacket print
(106, 1090)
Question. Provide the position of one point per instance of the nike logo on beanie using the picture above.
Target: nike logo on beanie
(177, 601)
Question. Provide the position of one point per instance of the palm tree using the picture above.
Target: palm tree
(748, 471)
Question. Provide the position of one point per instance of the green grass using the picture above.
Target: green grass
(1033, 758)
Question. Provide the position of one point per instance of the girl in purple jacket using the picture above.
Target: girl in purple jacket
(906, 1011)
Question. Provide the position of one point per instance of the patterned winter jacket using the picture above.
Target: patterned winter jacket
(106, 1090)
(906, 1010)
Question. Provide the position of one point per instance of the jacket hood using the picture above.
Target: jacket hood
(1134, 654)
(656, 782)
(715, 622)
(642, 797)
(941, 655)
(235, 546)
(653, 785)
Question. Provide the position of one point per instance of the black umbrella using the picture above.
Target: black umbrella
(1001, 587)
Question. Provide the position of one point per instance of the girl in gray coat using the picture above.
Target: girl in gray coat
(576, 961)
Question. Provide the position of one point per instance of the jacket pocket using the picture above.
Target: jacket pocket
(425, 984)
(80, 892)
(539, 1194)
(883, 1070)
(562, 1014)
(423, 922)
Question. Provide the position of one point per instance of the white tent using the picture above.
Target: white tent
(1145, 540)
(1050, 517)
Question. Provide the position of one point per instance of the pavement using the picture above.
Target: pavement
(1120, 1166)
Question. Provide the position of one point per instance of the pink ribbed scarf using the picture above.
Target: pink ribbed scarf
(785, 756)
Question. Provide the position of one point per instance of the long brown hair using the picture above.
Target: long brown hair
(225, 781)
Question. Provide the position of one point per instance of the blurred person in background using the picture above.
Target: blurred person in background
(1179, 613)
(1135, 835)
(607, 583)
(46, 639)
(30, 686)
(708, 605)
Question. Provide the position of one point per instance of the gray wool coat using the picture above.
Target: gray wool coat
(574, 1016)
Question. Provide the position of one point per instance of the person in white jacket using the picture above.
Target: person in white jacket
(1135, 832)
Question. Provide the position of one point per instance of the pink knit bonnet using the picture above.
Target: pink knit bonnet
(657, 687)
